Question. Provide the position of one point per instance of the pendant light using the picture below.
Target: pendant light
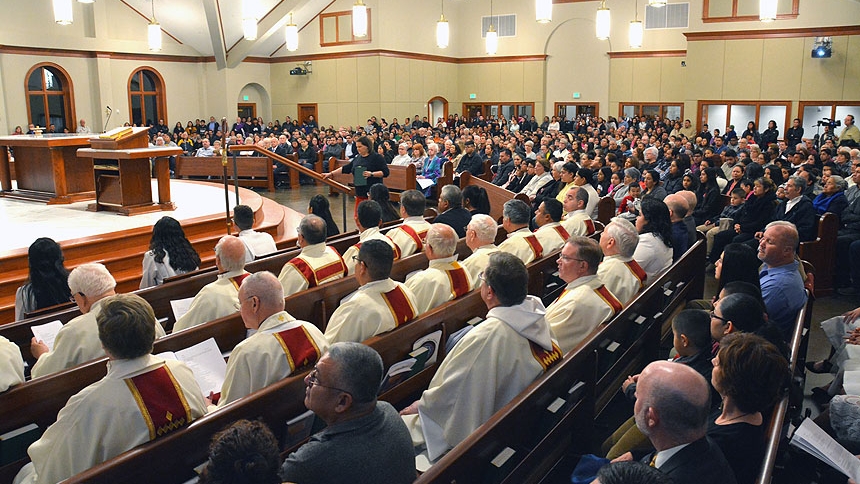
(543, 11)
(292, 35)
(442, 30)
(602, 21)
(153, 32)
(636, 29)
(359, 19)
(63, 12)
(492, 40)
(767, 10)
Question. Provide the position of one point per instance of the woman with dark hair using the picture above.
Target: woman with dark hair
(368, 168)
(654, 250)
(604, 180)
(742, 312)
(752, 134)
(476, 200)
(379, 194)
(755, 214)
(388, 150)
(244, 453)
(170, 253)
(753, 171)
(319, 206)
(832, 198)
(653, 187)
(691, 182)
(737, 174)
(770, 135)
(675, 178)
(749, 374)
(48, 284)
(775, 174)
(738, 262)
(710, 202)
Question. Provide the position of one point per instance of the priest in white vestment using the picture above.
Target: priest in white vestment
(480, 237)
(623, 276)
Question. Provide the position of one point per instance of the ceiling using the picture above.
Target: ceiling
(214, 27)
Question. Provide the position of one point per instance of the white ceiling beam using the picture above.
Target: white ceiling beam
(216, 32)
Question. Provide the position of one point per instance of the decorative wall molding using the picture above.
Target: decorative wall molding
(774, 33)
(638, 54)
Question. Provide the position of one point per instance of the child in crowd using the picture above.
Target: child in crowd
(627, 209)
(726, 219)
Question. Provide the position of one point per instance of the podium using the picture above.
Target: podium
(47, 168)
(121, 169)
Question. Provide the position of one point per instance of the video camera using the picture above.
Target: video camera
(833, 123)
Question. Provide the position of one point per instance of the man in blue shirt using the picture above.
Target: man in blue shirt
(781, 285)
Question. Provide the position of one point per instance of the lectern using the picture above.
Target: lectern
(46, 168)
(122, 173)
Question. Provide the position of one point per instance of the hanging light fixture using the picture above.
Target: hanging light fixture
(249, 19)
(292, 35)
(602, 23)
(63, 12)
(442, 30)
(543, 11)
(492, 40)
(656, 3)
(636, 29)
(86, 1)
(767, 10)
(359, 19)
(153, 32)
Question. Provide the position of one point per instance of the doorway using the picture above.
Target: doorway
(437, 109)
(305, 111)
(247, 110)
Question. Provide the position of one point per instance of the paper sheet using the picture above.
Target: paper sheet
(810, 438)
(424, 183)
(47, 333)
(180, 307)
(206, 363)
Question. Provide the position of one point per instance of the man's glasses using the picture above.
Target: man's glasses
(313, 381)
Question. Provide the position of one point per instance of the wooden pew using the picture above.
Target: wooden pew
(605, 209)
(497, 195)
(821, 252)
(253, 171)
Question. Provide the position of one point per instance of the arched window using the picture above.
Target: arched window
(146, 97)
(49, 97)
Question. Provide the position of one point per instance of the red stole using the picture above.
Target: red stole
(417, 237)
(589, 226)
(637, 271)
(609, 299)
(534, 245)
(299, 347)
(459, 280)
(322, 274)
(562, 233)
(237, 280)
(161, 401)
(399, 305)
(547, 359)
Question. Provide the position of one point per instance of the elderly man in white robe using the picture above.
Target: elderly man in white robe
(623, 276)
(444, 279)
(379, 305)
(480, 238)
(141, 398)
(520, 241)
(316, 264)
(585, 302)
(489, 366)
(220, 298)
(409, 236)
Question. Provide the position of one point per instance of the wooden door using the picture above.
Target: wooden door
(247, 110)
(306, 111)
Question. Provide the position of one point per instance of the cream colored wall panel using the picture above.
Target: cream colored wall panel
(620, 80)
(823, 78)
(743, 61)
(347, 83)
(781, 69)
(511, 82)
(672, 79)
(402, 78)
(347, 113)
(387, 79)
(851, 87)
(646, 79)
(365, 110)
(367, 79)
(416, 79)
(705, 61)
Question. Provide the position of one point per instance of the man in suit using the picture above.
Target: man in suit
(451, 211)
(671, 409)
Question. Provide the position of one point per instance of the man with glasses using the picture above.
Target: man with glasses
(367, 219)
(279, 346)
(316, 263)
(489, 366)
(78, 340)
(379, 305)
(585, 302)
(364, 440)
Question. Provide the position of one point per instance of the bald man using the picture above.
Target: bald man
(220, 298)
(444, 279)
(671, 409)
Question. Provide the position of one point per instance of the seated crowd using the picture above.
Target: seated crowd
(681, 427)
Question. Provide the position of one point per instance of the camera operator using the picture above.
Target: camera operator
(850, 135)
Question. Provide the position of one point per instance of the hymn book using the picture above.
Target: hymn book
(205, 361)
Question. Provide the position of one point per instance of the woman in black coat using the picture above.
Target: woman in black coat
(755, 214)
(710, 200)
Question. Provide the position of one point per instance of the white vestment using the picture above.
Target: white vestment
(367, 312)
(325, 262)
(434, 286)
(77, 342)
(487, 368)
(478, 261)
(517, 245)
(102, 421)
(620, 278)
(580, 309)
(578, 223)
(372, 233)
(215, 300)
(257, 244)
(11, 364)
(404, 240)
(261, 360)
(552, 236)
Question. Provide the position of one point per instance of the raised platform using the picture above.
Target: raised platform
(120, 242)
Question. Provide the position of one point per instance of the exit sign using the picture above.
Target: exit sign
(244, 98)
(473, 96)
(576, 95)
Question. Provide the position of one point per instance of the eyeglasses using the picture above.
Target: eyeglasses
(72, 297)
(565, 257)
(713, 315)
(357, 260)
(313, 381)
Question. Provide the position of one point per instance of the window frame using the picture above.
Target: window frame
(595, 105)
(639, 105)
(67, 93)
(159, 93)
(338, 18)
(700, 120)
(734, 17)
